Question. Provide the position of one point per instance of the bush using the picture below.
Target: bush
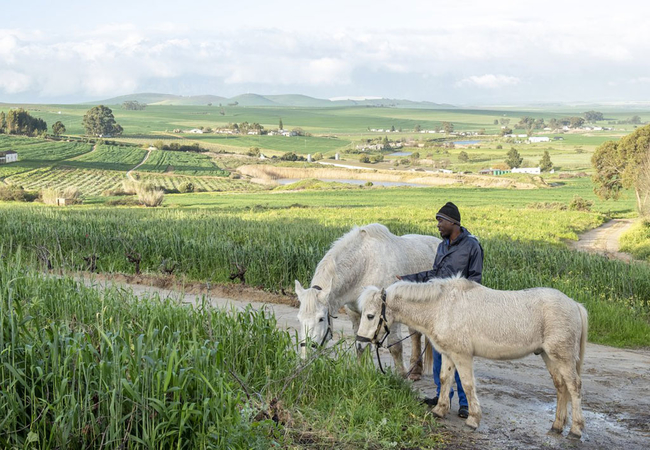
(368, 184)
(580, 204)
(71, 194)
(364, 159)
(16, 194)
(317, 156)
(149, 195)
(186, 187)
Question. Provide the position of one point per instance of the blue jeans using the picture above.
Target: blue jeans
(437, 363)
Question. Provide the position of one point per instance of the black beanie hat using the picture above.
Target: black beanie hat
(449, 212)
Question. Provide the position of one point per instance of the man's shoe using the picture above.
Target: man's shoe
(430, 401)
(463, 412)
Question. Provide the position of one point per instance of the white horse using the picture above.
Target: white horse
(464, 319)
(370, 255)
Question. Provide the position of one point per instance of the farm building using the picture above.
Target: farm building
(530, 170)
(534, 139)
(8, 156)
(493, 172)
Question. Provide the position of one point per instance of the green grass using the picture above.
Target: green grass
(84, 368)
(185, 163)
(636, 240)
(89, 182)
(36, 153)
(109, 157)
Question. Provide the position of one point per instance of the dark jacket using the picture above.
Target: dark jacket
(464, 256)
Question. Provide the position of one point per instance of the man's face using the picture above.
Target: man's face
(445, 227)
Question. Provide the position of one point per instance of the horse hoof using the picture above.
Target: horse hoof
(554, 430)
(415, 377)
(574, 435)
(471, 423)
(439, 412)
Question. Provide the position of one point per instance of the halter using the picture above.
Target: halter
(329, 331)
(383, 321)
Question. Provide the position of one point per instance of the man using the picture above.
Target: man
(458, 253)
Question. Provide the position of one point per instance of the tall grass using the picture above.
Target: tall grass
(280, 245)
(86, 369)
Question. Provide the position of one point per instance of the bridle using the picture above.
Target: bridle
(329, 331)
(383, 322)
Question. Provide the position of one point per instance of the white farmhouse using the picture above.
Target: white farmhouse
(196, 131)
(8, 156)
(536, 139)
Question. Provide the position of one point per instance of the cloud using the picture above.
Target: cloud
(13, 82)
(488, 81)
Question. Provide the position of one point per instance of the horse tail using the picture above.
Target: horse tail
(427, 364)
(583, 336)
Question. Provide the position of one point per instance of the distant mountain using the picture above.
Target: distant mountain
(289, 100)
(164, 99)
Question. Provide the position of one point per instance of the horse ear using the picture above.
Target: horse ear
(299, 288)
(383, 294)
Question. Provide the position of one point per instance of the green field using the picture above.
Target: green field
(185, 163)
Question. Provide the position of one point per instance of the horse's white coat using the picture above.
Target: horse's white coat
(369, 255)
(464, 319)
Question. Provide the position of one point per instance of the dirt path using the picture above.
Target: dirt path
(128, 174)
(604, 240)
(518, 397)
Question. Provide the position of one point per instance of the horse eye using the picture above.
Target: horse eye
(370, 316)
(321, 319)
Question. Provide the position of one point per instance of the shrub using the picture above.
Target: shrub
(149, 195)
(17, 194)
(580, 204)
(317, 156)
(186, 187)
(364, 159)
(368, 184)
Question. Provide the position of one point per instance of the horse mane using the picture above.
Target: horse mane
(326, 268)
(432, 290)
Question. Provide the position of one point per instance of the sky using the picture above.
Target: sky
(468, 52)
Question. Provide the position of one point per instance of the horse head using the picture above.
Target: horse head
(376, 318)
(314, 316)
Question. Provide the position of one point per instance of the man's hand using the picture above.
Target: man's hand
(398, 277)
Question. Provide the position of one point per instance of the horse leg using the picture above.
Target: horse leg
(574, 385)
(447, 371)
(465, 369)
(416, 356)
(562, 394)
(395, 348)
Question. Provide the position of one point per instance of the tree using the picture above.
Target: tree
(417, 128)
(624, 165)
(496, 121)
(3, 122)
(448, 127)
(504, 122)
(19, 121)
(593, 116)
(99, 121)
(635, 120)
(514, 159)
(280, 125)
(545, 164)
(392, 128)
(463, 156)
(575, 122)
(58, 128)
(505, 131)
(135, 105)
